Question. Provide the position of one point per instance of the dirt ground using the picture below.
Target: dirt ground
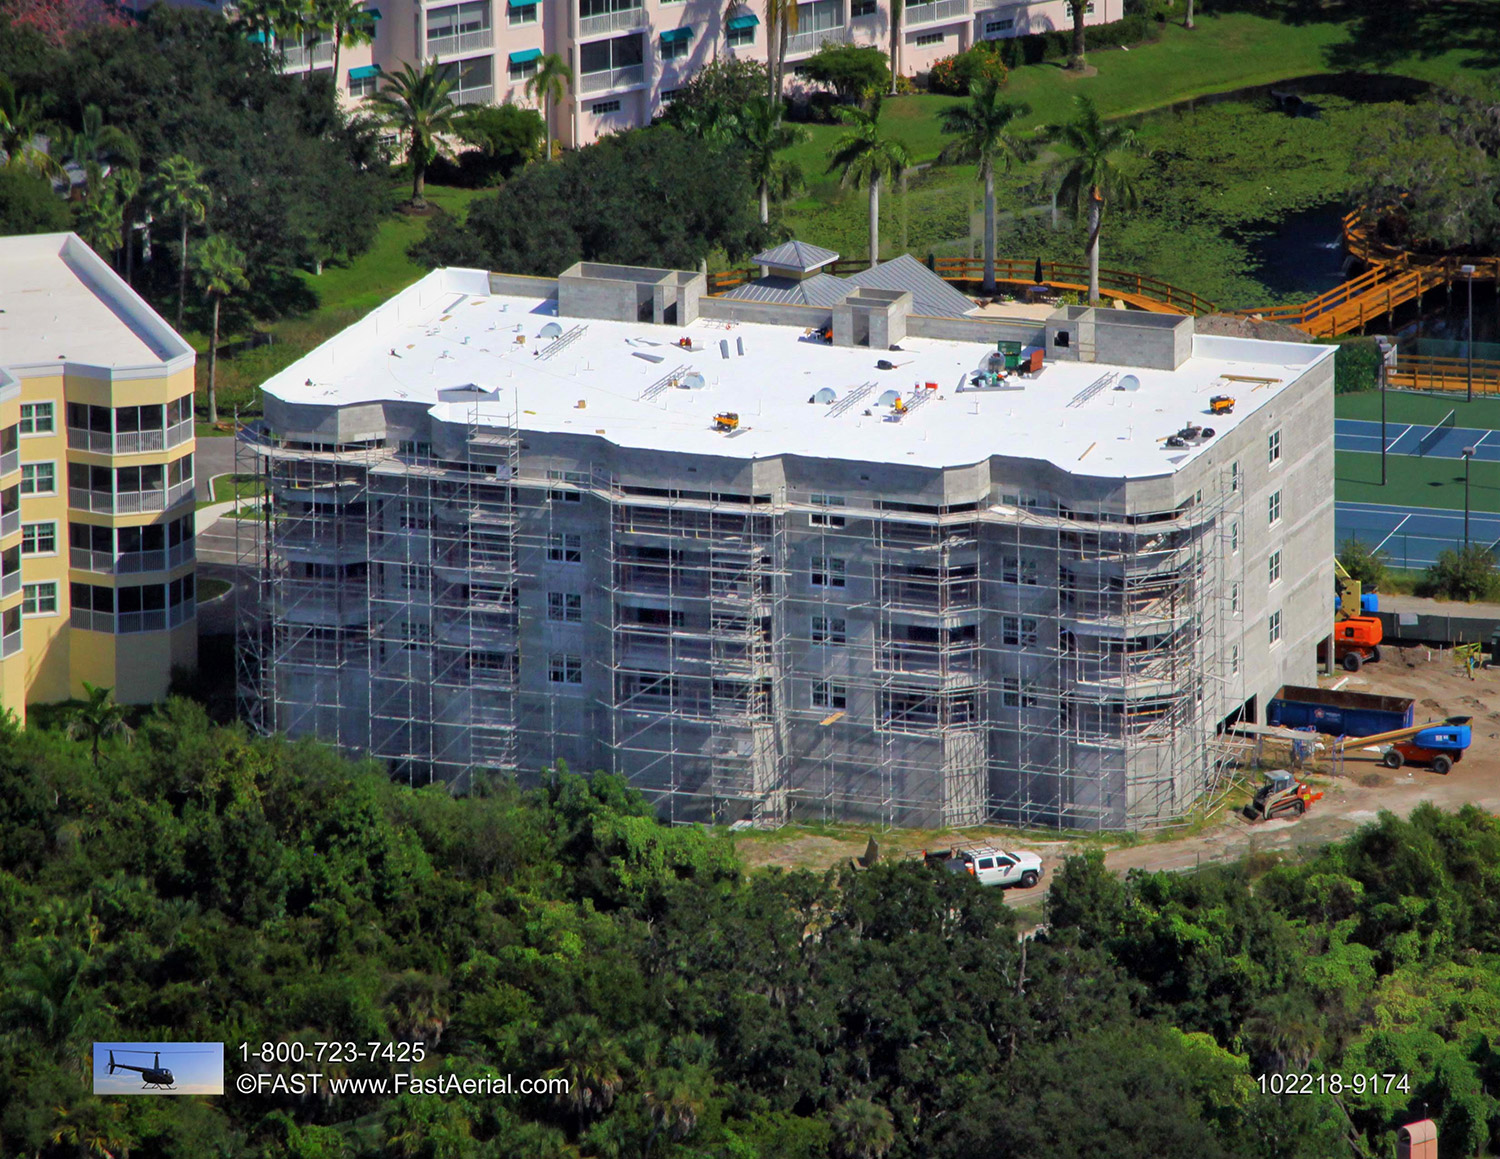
(1352, 799)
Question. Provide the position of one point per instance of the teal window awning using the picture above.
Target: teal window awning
(525, 55)
(677, 35)
(515, 5)
(750, 20)
(373, 13)
(364, 72)
(257, 37)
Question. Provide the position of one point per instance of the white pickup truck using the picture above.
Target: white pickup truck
(990, 866)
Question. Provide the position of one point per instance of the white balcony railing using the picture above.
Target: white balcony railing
(92, 621)
(10, 523)
(138, 442)
(800, 43)
(475, 96)
(298, 57)
(10, 583)
(10, 644)
(179, 433)
(937, 12)
(611, 79)
(10, 462)
(620, 21)
(461, 42)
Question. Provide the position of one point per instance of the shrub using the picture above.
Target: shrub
(848, 69)
(1134, 29)
(1363, 563)
(1467, 573)
(956, 74)
(1356, 366)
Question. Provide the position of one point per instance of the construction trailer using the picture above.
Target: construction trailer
(487, 553)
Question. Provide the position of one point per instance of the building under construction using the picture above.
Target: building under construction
(773, 561)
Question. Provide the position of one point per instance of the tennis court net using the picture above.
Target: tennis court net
(1431, 438)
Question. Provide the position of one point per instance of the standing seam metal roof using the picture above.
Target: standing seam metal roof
(796, 255)
(930, 294)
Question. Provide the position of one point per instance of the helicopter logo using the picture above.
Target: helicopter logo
(192, 1075)
(155, 1077)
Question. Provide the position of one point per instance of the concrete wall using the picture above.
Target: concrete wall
(989, 330)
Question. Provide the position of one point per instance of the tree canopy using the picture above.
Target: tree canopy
(656, 197)
(202, 885)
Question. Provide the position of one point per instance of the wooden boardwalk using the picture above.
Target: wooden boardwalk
(1430, 372)
(1393, 278)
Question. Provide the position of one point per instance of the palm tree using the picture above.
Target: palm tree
(127, 187)
(21, 123)
(349, 21)
(1187, 21)
(416, 103)
(764, 134)
(1093, 175)
(674, 1103)
(898, 9)
(221, 272)
(983, 137)
(1077, 9)
(179, 191)
(100, 217)
(590, 1060)
(96, 144)
(273, 19)
(865, 157)
(862, 1129)
(549, 84)
(97, 719)
(781, 21)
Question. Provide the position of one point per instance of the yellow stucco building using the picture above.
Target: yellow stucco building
(96, 481)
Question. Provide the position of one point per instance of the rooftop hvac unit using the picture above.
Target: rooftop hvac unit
(551, 330)
(888, 398)
(1129, 382)
(692, 380)
(824, 394)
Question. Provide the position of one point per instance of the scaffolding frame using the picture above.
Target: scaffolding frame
(696, 624)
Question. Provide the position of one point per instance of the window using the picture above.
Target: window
(471, 79)
(822, 519)
(737, 36)
(458, 19)
(1013, 696)
(39, 539)
(858, 8)
(363, 82)
(565, 607)
(931, 38)
(1234, 660)
(1275, 627)
(1015, 570)
(412, 577)
(1273, 507)
(829, 630)
(676, 43)
(1088, 9)
(827, 572)
(566, 547)
(1273, 448)
(1234, 536)
(603, 108)
(609, 55)
(412, 447)
(39, 599)
(667, 95)
(566, 496)
(1275, 566)
(1018, 631)
(522, 69)
(38, 478)
(1234, 598)
(564, 669)
(521, 14)
(1234, 475)
(830, 694)
(37, 418)
(996, 27)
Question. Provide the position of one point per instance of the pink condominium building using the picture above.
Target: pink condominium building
(628, 56)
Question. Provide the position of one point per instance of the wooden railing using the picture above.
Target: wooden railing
(1443, 372)
(1140, 289)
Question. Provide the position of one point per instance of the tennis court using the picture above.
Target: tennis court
(1445, 441)
(1411, 537)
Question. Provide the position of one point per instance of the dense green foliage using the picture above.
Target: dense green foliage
(1356, 366)
(587, 206)
(1439, 160)
(1363, 563)
(850, 70)
(1133, 29)
(293, 180)
(199, 885)
(28, 205)
(1463, 573)
(957, 74)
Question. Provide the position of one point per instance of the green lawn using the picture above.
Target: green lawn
(345, 294)
(212, 589)
(228, 487)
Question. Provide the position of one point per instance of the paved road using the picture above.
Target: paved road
(212, 457)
